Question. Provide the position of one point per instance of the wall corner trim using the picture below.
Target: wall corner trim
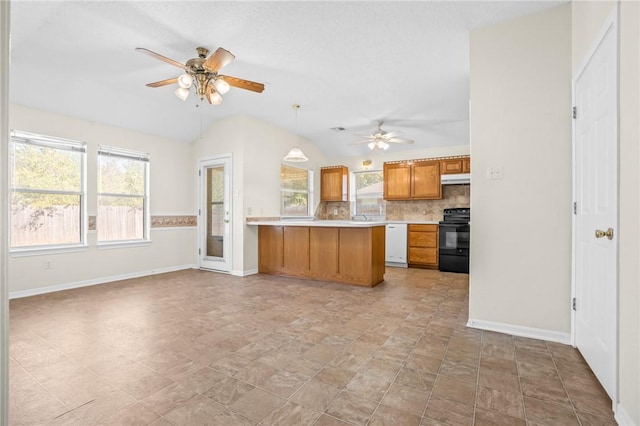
(102, 280)
(244, 273)
(622, 417)
(518, 330)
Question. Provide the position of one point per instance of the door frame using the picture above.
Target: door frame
(202, 163)
(610, 24)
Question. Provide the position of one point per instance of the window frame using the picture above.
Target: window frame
(62, 144)
(116, 152)
(309, 193)
(354, 196)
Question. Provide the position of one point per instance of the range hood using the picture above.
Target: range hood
(456, 179)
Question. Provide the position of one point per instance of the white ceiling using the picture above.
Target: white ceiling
(347, 64)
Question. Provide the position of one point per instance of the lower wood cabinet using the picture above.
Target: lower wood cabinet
(352, 255)
(423, 246)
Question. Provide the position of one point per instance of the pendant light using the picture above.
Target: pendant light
(296, 155)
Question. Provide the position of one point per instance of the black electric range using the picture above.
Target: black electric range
(453, 243)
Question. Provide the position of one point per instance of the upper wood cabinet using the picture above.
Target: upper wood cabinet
(455, 165)
(334, 183)
(397, 181)
(415, 180)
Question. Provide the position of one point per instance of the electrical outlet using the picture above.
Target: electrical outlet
(335, 212)
(48, 264)
(249, 211)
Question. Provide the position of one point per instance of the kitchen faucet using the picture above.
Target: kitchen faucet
(364, 216)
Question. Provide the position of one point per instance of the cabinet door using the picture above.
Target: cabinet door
(333, 184)
(270, 249)
(466, 165)
(426, 180)
(452, 166)
(397, 181)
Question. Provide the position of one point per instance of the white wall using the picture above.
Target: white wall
(520, 278)
(170, 194)
(257, 149)
(588, 18)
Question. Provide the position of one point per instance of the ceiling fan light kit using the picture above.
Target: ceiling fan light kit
(380, 139)
(202, 74)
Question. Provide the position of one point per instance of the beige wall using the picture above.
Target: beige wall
(588, 19)
(257, 149)
(520, 277)
(169, 195)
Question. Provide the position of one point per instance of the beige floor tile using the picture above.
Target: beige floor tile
(407, 399)
(315, 395)
(327, 420)
(351, 408)
(196, 411)
(292, 414)
(256, 404)
(112, 345)
(134, 415)
(389, 416)
(166, 399)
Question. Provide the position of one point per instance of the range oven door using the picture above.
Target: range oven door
(453, 247)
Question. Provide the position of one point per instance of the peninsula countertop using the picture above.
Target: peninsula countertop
(338, 223)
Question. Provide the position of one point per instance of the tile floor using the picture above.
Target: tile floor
(198, 348)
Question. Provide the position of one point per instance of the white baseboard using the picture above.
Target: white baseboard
(244, 273)
(518, 330)
(103, 280)
(623, 418)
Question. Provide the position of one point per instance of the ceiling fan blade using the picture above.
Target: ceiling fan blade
(218, 59)
(392, 134)
(163, 82)
(162, 58)
(399, 140)
(361, 142)
(244, 84)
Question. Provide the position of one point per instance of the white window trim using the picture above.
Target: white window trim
(310, 204)
(353, 196)
(130, 155)
(62, 144)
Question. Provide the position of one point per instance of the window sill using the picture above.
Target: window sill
(41, 251)
(122, 244)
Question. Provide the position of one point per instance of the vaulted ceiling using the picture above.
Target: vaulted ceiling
(348, 64)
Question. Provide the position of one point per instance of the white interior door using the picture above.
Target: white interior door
(596, 187)
(214, 221)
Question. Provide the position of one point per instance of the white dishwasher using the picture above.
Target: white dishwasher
(396, 245)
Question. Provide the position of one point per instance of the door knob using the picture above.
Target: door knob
(608, 233)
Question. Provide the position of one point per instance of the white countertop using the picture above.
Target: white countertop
(320, 223)
(339, 223)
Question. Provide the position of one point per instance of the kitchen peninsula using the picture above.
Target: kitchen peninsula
(347, 252)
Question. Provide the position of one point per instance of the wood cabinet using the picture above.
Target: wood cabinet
(455, 165)
(334, 183)
(423, 246)
(339, 254)
(417, 180)
(397, 181)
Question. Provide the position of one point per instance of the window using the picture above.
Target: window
(123, 201)
(296, 193)
(368, 192)
(47, 186)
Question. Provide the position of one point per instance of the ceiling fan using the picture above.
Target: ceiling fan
(202, 73)
(380, 139)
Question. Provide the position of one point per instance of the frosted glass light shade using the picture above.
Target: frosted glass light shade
(182, 93)
(184, 81)
(296, 155)
(377, 145)
(222, 86)
(214, 97)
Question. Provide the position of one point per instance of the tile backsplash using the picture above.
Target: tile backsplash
(419, 210)
(452, 196)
